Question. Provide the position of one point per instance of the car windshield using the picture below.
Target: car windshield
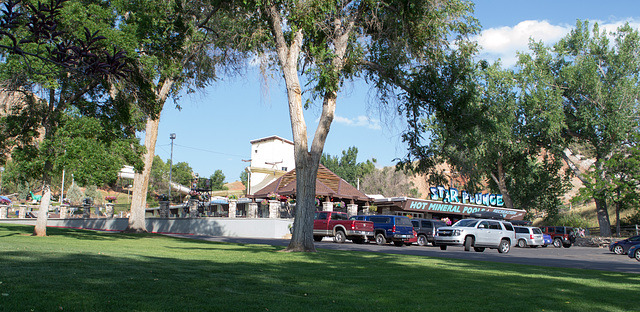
(403, 221)
(536, 231)
(466, 223)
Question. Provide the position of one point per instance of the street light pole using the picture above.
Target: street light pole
(172, 136)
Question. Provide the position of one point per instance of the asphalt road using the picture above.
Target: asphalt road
(575, 257)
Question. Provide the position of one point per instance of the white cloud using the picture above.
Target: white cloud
(504, 42)
(359, 121)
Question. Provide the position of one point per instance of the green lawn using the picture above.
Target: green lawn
(77, 270)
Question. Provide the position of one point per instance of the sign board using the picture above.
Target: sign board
(460, 209)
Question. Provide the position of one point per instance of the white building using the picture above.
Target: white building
(271, 158)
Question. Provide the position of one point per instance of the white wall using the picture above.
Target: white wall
(270, 158)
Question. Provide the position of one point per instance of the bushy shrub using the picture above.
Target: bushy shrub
(569, 219)
(75, 195)
(94, 194)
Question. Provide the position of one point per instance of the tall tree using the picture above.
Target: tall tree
(599, 82)
(180, 46)
(46, 50)
(505, 146)
(330, 42)
(217, 180)
(347, 166)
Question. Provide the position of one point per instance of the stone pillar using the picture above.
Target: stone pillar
(233, 206)
(352, 209)
(4, 211)
(274, 209)
(109, 210)
(22, 212)
(64, 211)
(193, 208)
(327, 206)
(252, 210)
(164, 209)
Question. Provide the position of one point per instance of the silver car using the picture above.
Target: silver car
(529, 236)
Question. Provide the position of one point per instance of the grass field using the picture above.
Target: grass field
(77, 270)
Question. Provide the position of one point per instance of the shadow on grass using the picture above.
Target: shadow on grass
(175, 274)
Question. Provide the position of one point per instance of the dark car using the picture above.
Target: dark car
(389, 228)
(634, 252)
(621, 247)
(562, 236)
(426, 230)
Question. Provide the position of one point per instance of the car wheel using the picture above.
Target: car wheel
(422, 240)
(317, 238)
(340, 237)
(504, 247)
(380, 240)
(544, 246)
(566, 245)
(522, 243)
(636, 254)
(618, 250)
(557, 242)
(443, 247)
(478, 249)
(468, 241)
(398, 243)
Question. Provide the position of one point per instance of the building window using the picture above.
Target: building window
(284, 168)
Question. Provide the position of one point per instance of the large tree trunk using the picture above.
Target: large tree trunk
(603, 217)
(141, 180)
(601, 203)
(43, 214)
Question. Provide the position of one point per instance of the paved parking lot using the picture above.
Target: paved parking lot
(574, 257)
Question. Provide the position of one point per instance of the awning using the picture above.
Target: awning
(5, 200)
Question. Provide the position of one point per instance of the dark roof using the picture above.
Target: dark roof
(327, 184)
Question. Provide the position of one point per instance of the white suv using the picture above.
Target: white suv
(477, 233)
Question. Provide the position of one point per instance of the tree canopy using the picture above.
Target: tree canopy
(347, 166)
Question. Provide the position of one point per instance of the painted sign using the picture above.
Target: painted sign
(451, 195)
(439, 207)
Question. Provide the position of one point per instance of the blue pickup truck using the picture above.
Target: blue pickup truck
(388, 228)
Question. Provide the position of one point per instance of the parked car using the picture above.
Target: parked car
(562, 236)
(621, 247)
(634, 252)
(412, 240)
(389, 228)
(528, 236)
(337, 225)
(426, 230)
(477, 233)
(546, 240)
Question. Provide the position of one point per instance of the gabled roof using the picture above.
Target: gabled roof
(271, 138)
(327, 184)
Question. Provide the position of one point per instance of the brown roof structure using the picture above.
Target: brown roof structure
(327, 184)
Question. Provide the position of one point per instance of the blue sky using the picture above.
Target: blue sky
(215, 126)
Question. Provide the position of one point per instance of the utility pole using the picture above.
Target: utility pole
(172, 136)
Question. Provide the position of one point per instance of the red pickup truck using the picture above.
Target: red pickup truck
(337, 225)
